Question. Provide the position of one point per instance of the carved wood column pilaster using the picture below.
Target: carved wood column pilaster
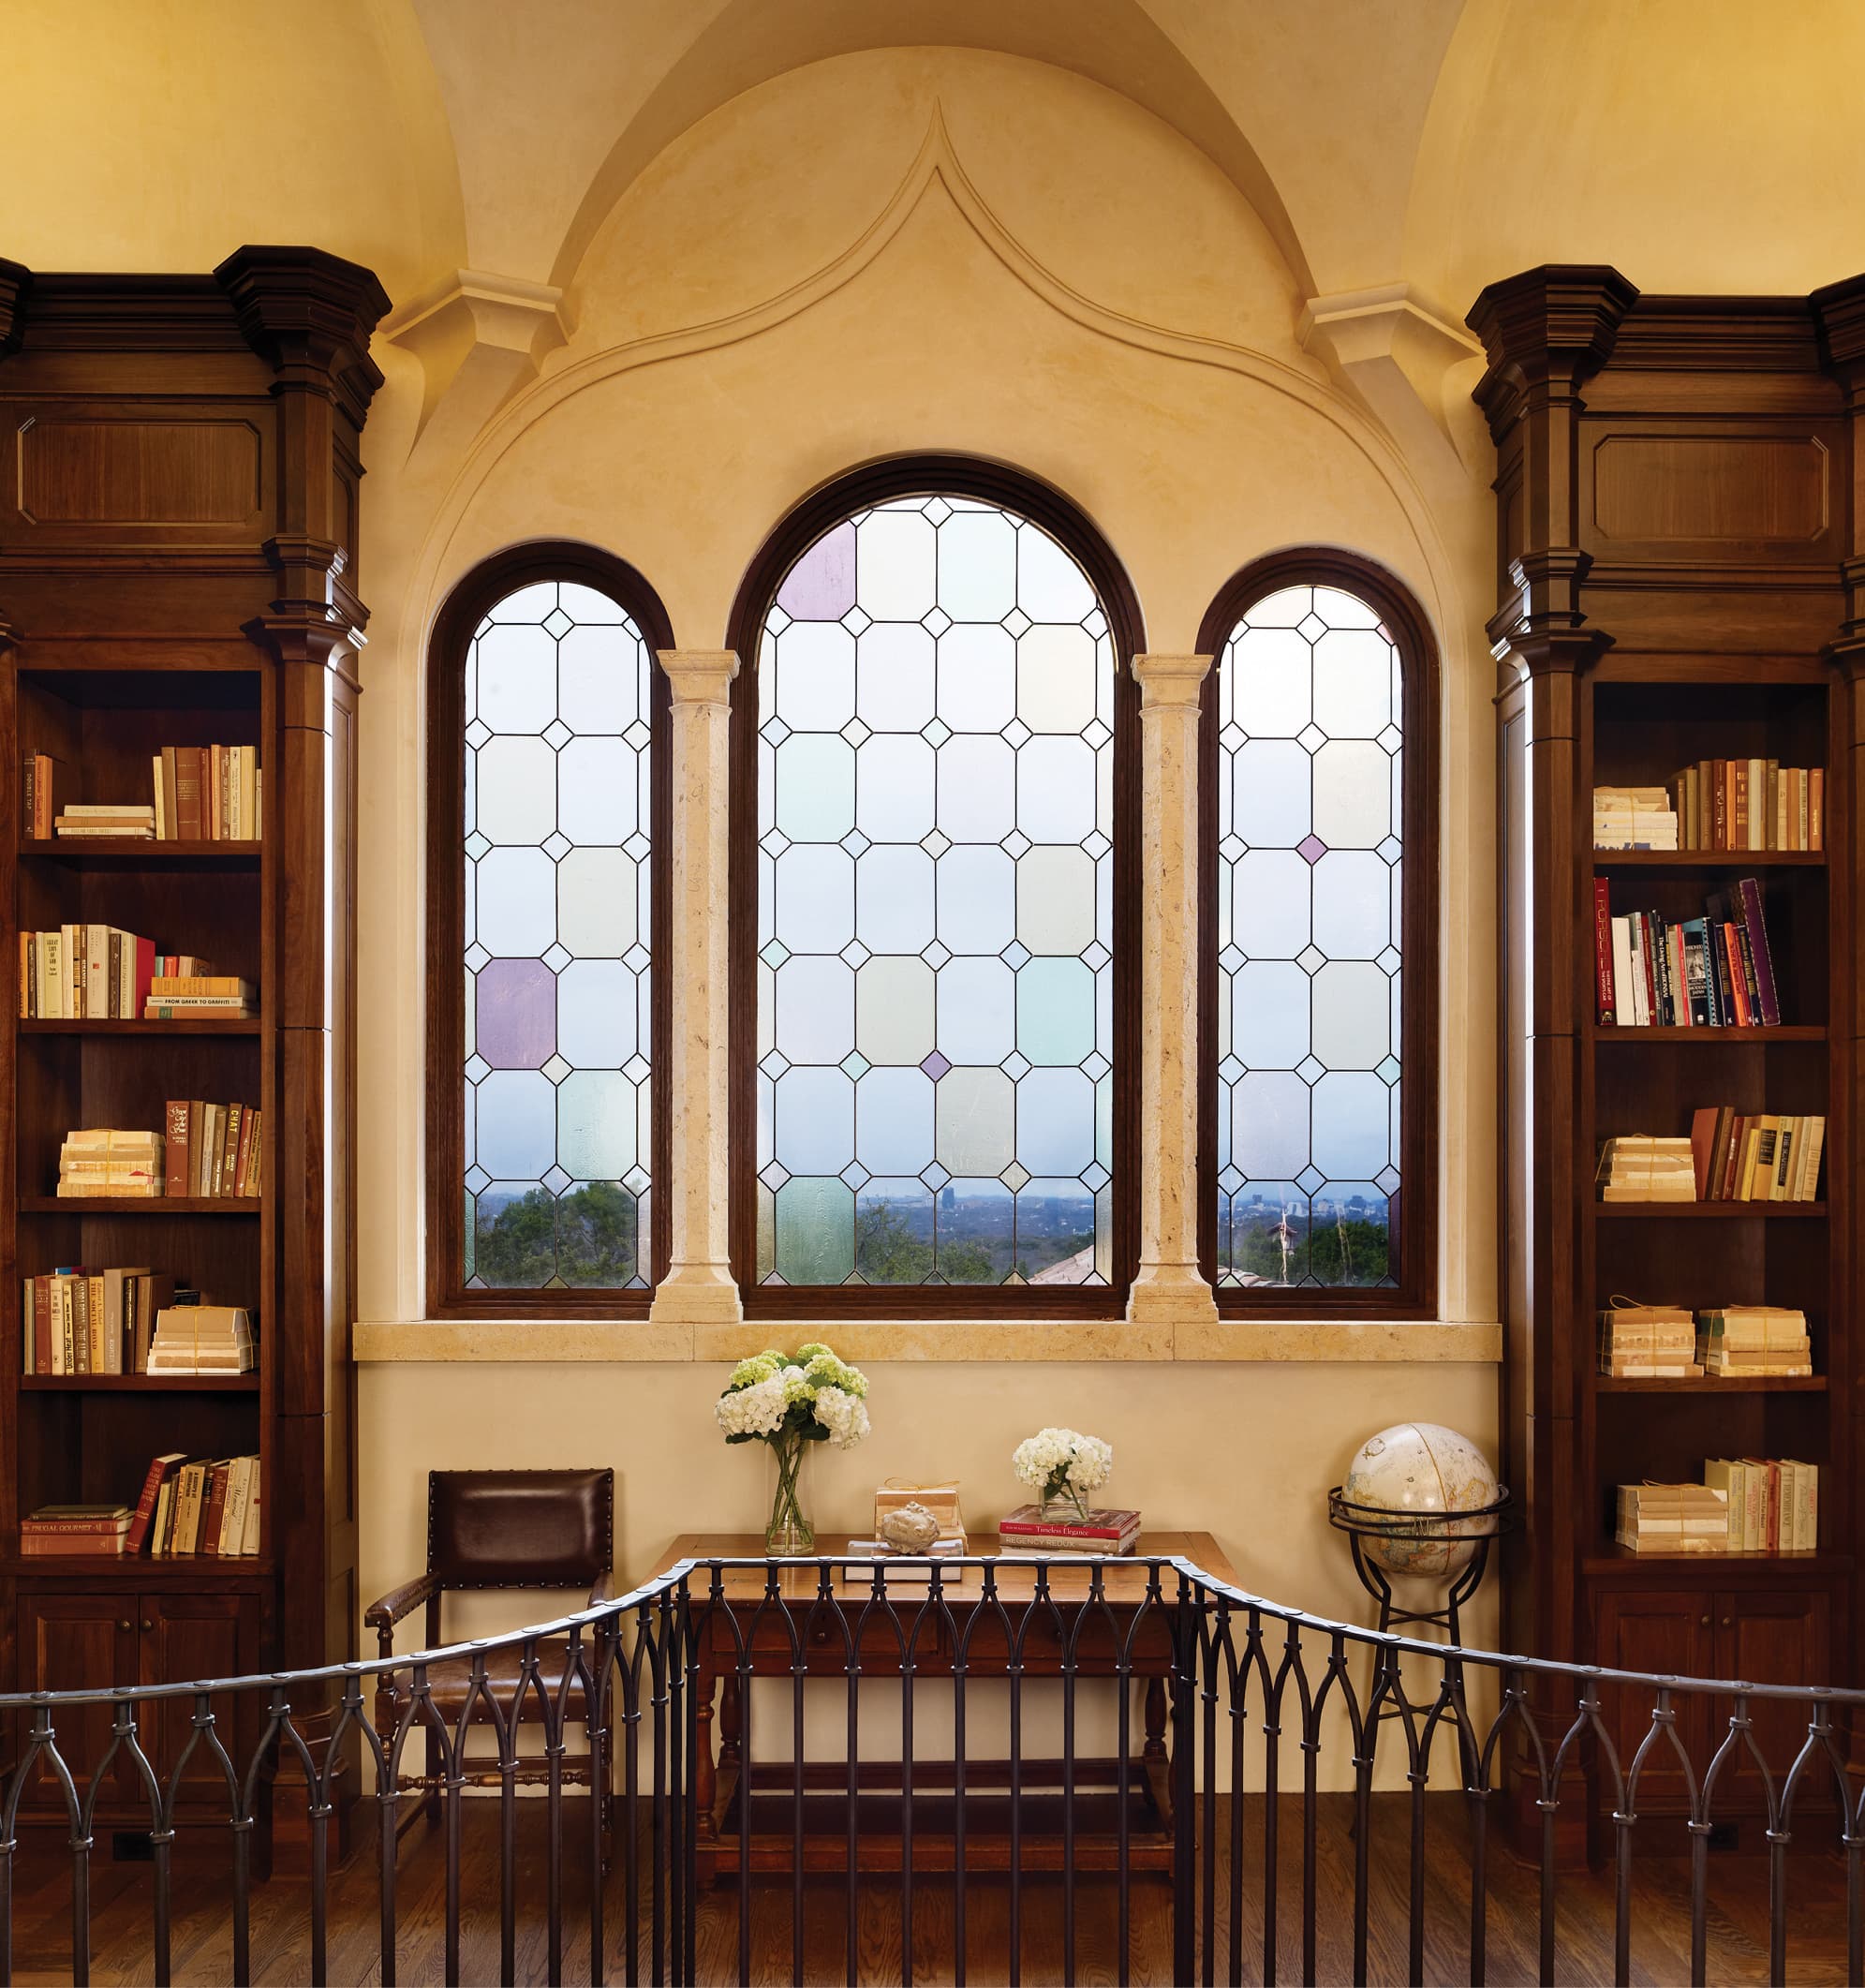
(1169, 1286)
(698, 1287)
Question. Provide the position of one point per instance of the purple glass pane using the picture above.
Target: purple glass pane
(935, 1065)
(1312, 848)
(822, 584)
(517, 1020)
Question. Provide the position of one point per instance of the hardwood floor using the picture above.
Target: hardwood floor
(121, 1896)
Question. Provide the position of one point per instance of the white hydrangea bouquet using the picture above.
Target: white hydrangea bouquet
(1062, 1467)
(790, 1400)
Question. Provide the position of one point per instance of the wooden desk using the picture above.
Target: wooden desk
(750, 1634)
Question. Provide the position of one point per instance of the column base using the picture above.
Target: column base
(1171, 1295)
(696, 1294)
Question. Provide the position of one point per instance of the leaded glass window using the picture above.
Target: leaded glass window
(557, 928)
(1310, 712)
(936, 681)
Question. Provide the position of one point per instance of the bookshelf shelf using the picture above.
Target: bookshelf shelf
(1609, 1558)
(1708, 861)
(140, 850)
(1614, 1035)
(1763, 1384)
(1710, 1210)
(128, 1205)
(213, 1025)
(140, 1383)
(119, 1571)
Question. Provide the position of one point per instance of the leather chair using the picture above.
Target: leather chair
(535, 1529)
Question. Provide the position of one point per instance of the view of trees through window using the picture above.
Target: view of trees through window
(1310, 776)
(934, 703)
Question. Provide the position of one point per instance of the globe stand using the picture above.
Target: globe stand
(1474, 1528)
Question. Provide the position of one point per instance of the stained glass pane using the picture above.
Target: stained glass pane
(557, 1083)
(935, 698)
(1311, 772)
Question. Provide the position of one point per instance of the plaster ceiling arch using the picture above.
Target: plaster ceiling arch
(1116, 43)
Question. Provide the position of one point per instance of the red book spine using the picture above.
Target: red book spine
(174, 1152)
(145, 1505)
(1603, 948)
(144, 972)
(41, 1325)
(70, 1528)
(1739, 981)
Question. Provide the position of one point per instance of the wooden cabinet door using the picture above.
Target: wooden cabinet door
(75, 1642)
(1775, 1635)
(191, 1635)
(1670, 1632)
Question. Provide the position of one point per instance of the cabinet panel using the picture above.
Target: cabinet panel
(1671, 1633)
(74, 1642)
(1773, 1635)
(185, 1636)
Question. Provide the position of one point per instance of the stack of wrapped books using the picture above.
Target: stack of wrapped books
(1641, 1166)
(1640, 1342)
(1673, 1519)
(1753, 1341)
(95, 1531)
(1634, 817)
(106, 818)
(201, 1339)
(1031, 1533)
(122, 1165)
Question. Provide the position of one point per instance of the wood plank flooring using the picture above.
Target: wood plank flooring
(203, 1945)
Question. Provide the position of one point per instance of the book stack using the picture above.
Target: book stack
(42, 780)
(1753, 1341)
(1749, 804)
(1716, 972)
(201, 1339)
(81, 972)
(1673, 1519)
(204, 1507)
(117, 1166)
(1639, 1166)
(1756, 1156)
(1634, 817)
(78, 1321)
(1029, 1533)
(213, 1149)
(1641, 1342)
(207, 793)
(92, 1531)
(1774, 1504)
(187, 997)
(97, 819)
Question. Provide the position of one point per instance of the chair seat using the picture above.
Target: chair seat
(449, 1685)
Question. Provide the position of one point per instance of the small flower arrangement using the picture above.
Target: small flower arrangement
(1062, 1467)
(789, 1399)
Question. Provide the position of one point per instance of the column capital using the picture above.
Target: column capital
(1170, 682)
(699, 677)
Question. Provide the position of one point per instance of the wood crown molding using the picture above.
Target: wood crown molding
(1552, 324)
(309, 314)
(16, 282)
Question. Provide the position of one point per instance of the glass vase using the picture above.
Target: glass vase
(1066, 1506)
(790, 1530)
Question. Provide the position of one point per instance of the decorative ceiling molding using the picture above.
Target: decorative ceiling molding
(479, 337)
(937, 164)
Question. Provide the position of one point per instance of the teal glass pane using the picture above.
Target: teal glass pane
(815, 1231)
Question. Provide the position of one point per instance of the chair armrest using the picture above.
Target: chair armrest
(604, 1589)
(383, 1615)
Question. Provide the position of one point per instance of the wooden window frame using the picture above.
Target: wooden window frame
(1014, 490)
(1416, 1293)
(454, 628)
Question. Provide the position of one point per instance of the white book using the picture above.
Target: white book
(1624, 1002)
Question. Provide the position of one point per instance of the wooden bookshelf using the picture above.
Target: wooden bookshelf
(178, 567)
(1676, 567)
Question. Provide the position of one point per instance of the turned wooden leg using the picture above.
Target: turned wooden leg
(1157, 1761)
(705, 1777)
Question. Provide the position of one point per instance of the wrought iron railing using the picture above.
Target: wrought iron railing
(1278, 1751)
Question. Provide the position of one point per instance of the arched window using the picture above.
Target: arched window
(934, 729)
(1320, 994)
(547, 718)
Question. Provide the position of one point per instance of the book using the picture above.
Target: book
(211, 1149)
(206, 793)
(1648, 1342)
(1110, 1531)
(1673, 1518)
(107, 1163)
(160, 1470)
(42, 783)
(1642, 1167)
(87, 1530)
(203, 1339)
(1711, 971)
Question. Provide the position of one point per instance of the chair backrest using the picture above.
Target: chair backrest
(520, 1528)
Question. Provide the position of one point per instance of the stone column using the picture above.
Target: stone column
(1169, 1288)
(698, 1287)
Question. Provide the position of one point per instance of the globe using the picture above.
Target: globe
(1415, 1470)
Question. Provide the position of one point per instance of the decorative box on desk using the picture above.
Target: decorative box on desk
(771, 1621)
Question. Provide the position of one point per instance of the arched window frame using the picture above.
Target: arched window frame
(454, 629)
(1416, 1293)
(858, 490)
